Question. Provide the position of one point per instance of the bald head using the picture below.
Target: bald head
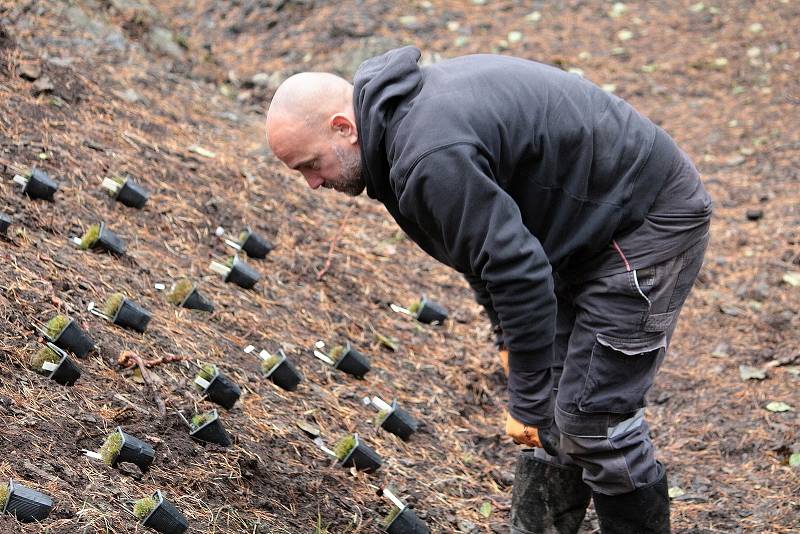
(309, 97)
(311, 127)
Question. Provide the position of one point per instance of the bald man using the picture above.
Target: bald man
(579, 224)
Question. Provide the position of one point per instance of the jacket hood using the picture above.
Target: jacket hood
(380, 85)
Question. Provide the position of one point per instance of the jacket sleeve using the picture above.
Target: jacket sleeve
(483, 298)
(450, 193)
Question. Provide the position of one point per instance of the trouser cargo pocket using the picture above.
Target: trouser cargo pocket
(620, 373)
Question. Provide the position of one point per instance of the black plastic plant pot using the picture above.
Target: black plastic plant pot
(5, 222)
(165, 518)
(74, 339)
(40, 185)
(135, 451)
(223, 391)
(255, 246)
(362, 457)
(132, 194)
(67, 373)
(407, 522)
(353, 363)
(212, 432)
(399, 422)
(242, 275)
(26, 504)
(108, 240)
(284, 375)
(195, 301)
(131, 315)
(431, 312)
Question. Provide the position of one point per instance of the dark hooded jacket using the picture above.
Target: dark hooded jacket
(507, 170)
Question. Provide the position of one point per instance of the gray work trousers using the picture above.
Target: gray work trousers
(612, 334)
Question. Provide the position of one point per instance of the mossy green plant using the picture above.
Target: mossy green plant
(243, 236)
(45, 354)
(143, 507)
(391, 516)
(200, 419)
(415, 307)
(112, 304)
(90, 237)
(381, 415)
(111, 447)
(344, 446)
(229, 262)
(180, 290)
(269, 363)
(337, 352)
(56, 325)
(207, 372)
(3, 495)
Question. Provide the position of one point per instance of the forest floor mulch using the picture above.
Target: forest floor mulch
(92, 88)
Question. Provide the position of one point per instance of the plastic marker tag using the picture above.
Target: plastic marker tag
(111, 185)
(202, 382)
(92, 454)
(380, 404)
(400, 309)
(264, 355)
(219, 268)
(21, 180)
(160, 287)
(323, 357)
(75, 241)
(49, 366)
(233, 244)
(248, 349)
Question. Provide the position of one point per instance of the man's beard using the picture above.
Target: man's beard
(350, 181)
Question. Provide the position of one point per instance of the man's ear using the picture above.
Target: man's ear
(342, 125)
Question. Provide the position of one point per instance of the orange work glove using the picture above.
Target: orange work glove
(504, 359)
(522, 434)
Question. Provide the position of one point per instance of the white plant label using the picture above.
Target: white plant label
(21, 180)
(49, 366)
(160, 287)
(202, 382)
(248, 349)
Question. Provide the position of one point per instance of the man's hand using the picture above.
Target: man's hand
(522, 434)
(504, 359)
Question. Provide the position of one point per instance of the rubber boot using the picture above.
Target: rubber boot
(548, 498)
(642, 511)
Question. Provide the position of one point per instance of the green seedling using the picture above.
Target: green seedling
(269, 363)
(391, 516)
(200, 419)
(243, 236)
(90, 237)
(45, 354)
(337, 352)
(3, 496)
(112, 304)
(143, 507)
(111, 447)
(381, 415)
(56, 325)
(344, 446)
(180, 290)
(229, 262)
(207, 372)
(415, 307)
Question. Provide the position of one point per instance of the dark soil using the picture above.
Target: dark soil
(721, 79)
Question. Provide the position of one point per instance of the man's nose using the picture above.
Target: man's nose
(314, 181)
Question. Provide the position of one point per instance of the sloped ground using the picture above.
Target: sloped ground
(127, 97)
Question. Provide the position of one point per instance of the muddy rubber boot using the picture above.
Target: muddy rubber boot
(642, 511)
(548, 498)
